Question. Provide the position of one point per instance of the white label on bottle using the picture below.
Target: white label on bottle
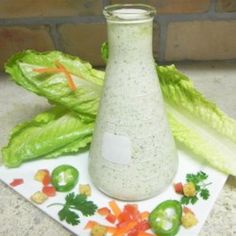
(116, 148)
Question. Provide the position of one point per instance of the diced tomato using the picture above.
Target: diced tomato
(126, 227)
(179, 188)
(104, 211)
(111, 218)
(50, 191)
(123, 217)
(16, 182)
(133, 212)
(133, 232)
(143, 225)
(46, 180)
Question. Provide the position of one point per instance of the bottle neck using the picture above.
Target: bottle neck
(130, 40)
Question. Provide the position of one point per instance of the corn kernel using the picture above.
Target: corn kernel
(39, 197)
(189, 220)
(189, 190)
(85, 189)
(40, 175)
(98, 230)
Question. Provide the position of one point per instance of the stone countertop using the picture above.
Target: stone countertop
(217, 80)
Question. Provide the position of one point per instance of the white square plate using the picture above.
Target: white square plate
(187, 164)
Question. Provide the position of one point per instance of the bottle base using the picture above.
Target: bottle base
(128, 198)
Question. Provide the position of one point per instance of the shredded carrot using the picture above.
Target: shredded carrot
(59, 68)
(127, 221)
(115, 208)
(47, 70)
(144, 215)
(68, 75)
(126, 228)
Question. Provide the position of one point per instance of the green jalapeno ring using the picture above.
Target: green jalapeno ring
(64, 178)
(165, 219)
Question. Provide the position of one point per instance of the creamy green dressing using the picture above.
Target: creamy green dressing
(132, 156)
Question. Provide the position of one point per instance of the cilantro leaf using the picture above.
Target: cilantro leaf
(196, 178)
(70, 216)
(204, 193)
(69, 198)
(194, 199)
(185, 200)
(80, 203)
(73, 205)
(190, 178)
(201, 176)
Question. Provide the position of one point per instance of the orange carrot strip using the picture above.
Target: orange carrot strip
(68, 76)
(126, 228)
(141, 233)
(90, 224)
(47, 70)
(115, 208)
(144, 215)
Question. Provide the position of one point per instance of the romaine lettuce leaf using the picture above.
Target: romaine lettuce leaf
(49, 134)
(197, 124)
(54, 87)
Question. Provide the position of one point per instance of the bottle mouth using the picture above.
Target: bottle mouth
(129, 12)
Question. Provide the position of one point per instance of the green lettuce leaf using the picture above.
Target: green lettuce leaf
(49, 134)
(53, 86)
(197, 124)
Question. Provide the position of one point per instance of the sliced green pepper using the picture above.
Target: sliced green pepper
(165, 219)
(64, 178)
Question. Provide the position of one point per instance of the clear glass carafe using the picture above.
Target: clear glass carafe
(133, 155)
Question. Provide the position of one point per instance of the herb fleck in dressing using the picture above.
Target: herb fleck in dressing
(132, 156)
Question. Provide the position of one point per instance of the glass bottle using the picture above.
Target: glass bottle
(132, 155)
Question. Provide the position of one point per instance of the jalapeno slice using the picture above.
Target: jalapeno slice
(165, 219)
(64, 178)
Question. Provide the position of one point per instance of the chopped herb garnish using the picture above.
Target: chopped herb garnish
(200, 188)
(73, 204)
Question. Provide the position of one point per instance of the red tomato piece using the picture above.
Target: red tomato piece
(16, 182)
(124, 217)
(111, 218)
(133, 211)
(46, 180)
(143, 225)
(50, 191)
(133, 232)
(179, 188)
